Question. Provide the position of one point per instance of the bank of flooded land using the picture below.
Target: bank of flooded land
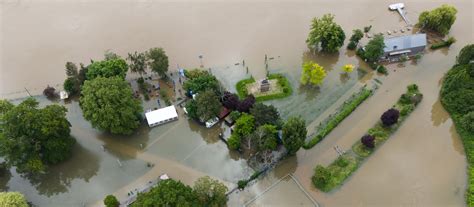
(427, 162)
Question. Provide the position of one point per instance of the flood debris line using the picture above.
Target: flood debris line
(332, 121)
(332, 176)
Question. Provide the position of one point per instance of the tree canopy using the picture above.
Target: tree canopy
(107, 68)
(109, 105)
(32, 138)
(210, 192)
(265, 114)
(266, 137)
(203, 81)
(230, 100)
(245, 125)
(390, 117)
(167, 193)
(246, 104)
(208, 105)
(374, 48)
(111, 201)
(12, 199)
(440, 19)
(138, 62)
(466, 55)
(294, 134)
(325, 33)
(312, 74)
(158, 61)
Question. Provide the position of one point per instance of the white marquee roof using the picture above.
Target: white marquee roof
(162, 114)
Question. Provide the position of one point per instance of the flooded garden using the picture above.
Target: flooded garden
(423, 162)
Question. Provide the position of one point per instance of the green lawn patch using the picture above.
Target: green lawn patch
(347, 108)
(336, 173)
(282, 82)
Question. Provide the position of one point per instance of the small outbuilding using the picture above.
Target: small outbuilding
(409, 45)
(161, 116)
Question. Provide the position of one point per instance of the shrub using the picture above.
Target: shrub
(357, 35)
(230, 100)
(49, 92)
(352, 45)
(342, 162)
(360, 52)
(406, 109)
(368, 141)
(241, 184)
(321, 177)
(367, 29)
(404, 99)
(382, 69)
(70, 86)
(378, 131)
(111, 201)
(390, 117)
(246, 104)
(234, 115)
(234, 141)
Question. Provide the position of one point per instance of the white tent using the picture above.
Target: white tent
(161, 116)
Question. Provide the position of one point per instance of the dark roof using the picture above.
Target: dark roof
(404, 42)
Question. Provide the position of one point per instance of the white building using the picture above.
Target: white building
(161, 116)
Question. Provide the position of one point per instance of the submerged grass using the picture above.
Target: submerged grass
(335, 174)
(345, 111)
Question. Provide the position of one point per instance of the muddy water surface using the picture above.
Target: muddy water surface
(422, 164)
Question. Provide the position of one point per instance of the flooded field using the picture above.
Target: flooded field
(422, 164)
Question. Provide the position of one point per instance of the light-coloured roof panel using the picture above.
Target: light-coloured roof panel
(162, 114)
(404, 42)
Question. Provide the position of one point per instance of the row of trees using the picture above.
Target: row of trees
(205, 192)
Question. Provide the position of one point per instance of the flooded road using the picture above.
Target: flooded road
(421, 165)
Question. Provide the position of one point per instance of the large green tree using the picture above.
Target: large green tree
(374, 48)
(31, 138)
(294, 134)
(158, 61)
(109, 105)
(12, 199)
(265, 114)
(138, 62)
(111, 201)
(325, 33)
(266, 137)
(201, 82)
(440, 19)
(110, 67)
(210, 192)
(208, 105)
(245, 125)
(466, 55)
(168, 193)
(312, 74)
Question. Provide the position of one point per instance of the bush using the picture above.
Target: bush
(246, 104)
(406, 109)
(234, 115)
(356, 36)
(234, 141)
(367, 29)
(378, 131)
(352, 45)
(321, 177)
(390, 117)
(382, 69)
(413, 88)
(443, 43)
(49, 92)
(241, 184)
(368, 141)
(111, 201)
(360, 52)
(69, 86)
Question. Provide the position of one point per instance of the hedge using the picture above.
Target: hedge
(443, 43)
(241, 87)
(346, 110)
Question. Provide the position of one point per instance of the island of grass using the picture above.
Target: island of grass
(279, 88)
(457, 97)
(328, 178)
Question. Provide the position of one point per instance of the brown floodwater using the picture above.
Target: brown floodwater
(423, 164)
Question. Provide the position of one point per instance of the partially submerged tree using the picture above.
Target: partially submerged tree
(374, 48)
(390, 117)
(245, 125)
(138, 62)
(208, 105)
(50, 92)
(167, 193)
(230, 100)
(111, 201)
(246, 104)
(210, 192)
(158, 61)
(12, 199)
(294, 134)
(312, 74)
(201, 83)
(466, 55)
(440, 19)
(107, 68)
(348, 68)
(326, 34)
(265, 114)
(32, 138)
(109, 105)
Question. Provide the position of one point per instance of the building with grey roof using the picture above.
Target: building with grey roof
(409, 45)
